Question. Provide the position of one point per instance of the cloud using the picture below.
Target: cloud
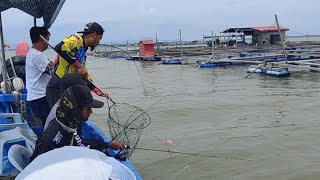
(149, 11)
(136, 19)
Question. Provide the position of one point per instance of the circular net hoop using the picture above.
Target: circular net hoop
(126, 123)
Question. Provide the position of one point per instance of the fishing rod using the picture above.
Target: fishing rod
(187, 153)
(145, 92)
(45, 40)
(116, 48)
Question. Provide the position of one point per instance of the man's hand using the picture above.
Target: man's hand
(49, 68)
(115, 145)
(82, 71)
(103, 94)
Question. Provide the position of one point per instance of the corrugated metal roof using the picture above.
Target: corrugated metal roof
(269, 28)
(147, 42)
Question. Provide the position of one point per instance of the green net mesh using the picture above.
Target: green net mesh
(126, 123)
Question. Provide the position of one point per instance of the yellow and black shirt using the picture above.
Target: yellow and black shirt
(72, 51)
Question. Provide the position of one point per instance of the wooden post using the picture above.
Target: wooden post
(180, 44)
(282, 44)
(127, 45)
(112, 49)
(157, 45)
(3, 56)
(202, 40)
(212, 39)
(227, 36)
(215, 39)
(220, 39)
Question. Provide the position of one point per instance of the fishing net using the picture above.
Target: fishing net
(126, 123)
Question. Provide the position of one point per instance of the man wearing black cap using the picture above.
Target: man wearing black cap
(72, 59)
(66, 81)
(74, 109)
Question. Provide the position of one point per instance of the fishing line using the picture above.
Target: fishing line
(145, 92)
(189, 153)
(126, 127)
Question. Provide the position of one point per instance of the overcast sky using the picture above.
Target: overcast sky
(140, 19)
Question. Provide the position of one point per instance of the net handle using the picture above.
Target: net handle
(113, 103)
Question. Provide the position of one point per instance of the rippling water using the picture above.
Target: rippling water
(258, 127)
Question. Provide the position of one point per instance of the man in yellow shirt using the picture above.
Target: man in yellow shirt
(72, 59)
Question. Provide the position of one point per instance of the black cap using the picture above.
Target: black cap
(83, 96)
(92, 27)
(69, 80)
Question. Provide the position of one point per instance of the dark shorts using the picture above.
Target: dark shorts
(40, 108)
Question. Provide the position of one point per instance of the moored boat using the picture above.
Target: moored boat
(273, 71)
(257, 70)
(281, 72)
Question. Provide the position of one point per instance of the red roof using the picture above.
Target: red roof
(269, 28)
(147, 42)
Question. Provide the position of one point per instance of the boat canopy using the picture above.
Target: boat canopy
(46, 9)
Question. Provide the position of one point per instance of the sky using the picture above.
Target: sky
(136, 20)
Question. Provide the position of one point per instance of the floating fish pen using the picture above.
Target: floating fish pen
(135, 58)
(116, 56)
(172, 61)
(139, 58)
(152, 59)
(209, 64)
(244, 54)
(176, 61)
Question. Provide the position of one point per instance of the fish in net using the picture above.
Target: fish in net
(126, 123)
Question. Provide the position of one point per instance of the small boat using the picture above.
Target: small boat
(257, 70)
(281, 72)
(273, 71)
(17, 125)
